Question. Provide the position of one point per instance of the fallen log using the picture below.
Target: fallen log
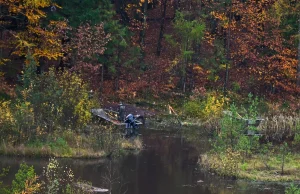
(89, 188)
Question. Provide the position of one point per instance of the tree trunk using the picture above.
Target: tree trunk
(227, 53)
(185, 66)
(120, 9)
(102, 78)
(161, 33)
(144, 23)
(118, 66)
(298, 67)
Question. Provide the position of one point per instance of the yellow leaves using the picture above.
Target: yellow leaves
(220, 16)
(198, 69)
(37, 3)
(6, 115)
(49, 54)
(223, 66)
(31, 186)
(213, 106)
(24, 44)
(2, 62)
(42, 41)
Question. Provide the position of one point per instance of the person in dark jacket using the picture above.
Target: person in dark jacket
(131, 126)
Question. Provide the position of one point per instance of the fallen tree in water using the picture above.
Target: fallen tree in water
(89, 188)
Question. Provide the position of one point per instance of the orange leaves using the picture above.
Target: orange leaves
(258, 47)
(42, 42)
(90, 41)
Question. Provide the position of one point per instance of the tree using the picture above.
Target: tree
(258, 50)
(118, 45)
(288, 13)
(89, 43)
(161, 32)
(25, 18)
(188, 33)
(77, 12)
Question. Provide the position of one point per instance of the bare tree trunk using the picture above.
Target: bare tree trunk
(118, 66)
(1, 49)
(162, 23)
(102, 78)
(184, 79)
(227, 52)
(144, 23)
(298, 67)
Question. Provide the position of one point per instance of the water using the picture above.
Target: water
(167, 165)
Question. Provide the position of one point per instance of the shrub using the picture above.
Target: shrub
(292, 189)
(4, 189)
(192, 109)
(204, 107)
(50, 101)
(60, 146)
(25, 173)
(231, 129)
(225, 164)
(7, 120)
(236, 87)
(212, 106)
(57, 178)
(232, 134)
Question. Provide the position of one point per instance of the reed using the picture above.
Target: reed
(280, 127)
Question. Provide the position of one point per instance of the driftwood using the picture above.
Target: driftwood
(171, 110)
(89, 188)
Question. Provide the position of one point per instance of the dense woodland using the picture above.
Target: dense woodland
(132, 48)
(61, 58)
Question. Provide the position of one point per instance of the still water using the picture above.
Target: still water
(166, 165)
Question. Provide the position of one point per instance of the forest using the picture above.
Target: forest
(218, 63)
(133, 49)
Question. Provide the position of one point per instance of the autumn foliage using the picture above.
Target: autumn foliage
(156, 47)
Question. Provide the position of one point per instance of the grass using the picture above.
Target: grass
(68, 144)
(132, 144)
(255, 168)
(46, 151)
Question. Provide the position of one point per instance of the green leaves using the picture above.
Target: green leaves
(24, 173)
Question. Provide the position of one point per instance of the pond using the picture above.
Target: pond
(166, 165)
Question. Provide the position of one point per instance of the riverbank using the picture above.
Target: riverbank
(68, 144)
(256, 168)
(168, 161)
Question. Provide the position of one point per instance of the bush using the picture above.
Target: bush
(60, 146)
(7, 120)
(293, 189)
(24, 174)
(58, 179)
(45, 103)
(59, 100)
(233, 127)
(192, 109)
(204, 107)
(231, 130)
(4, 189)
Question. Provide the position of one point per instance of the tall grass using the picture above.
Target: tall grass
(280, 127)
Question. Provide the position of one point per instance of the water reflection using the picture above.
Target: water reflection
(167, 165)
